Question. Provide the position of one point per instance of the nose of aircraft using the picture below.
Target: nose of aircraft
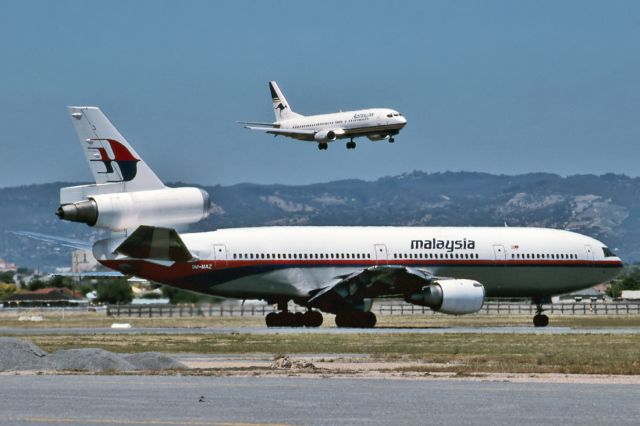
(402, 120)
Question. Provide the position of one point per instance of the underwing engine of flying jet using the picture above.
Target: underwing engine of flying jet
(327, 135)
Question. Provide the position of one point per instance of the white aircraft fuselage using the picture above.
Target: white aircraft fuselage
(275, 262)
(375, 123)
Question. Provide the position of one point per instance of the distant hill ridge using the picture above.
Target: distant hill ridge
(606, 207)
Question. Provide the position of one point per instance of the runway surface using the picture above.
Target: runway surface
(173, 400)
(11, 331)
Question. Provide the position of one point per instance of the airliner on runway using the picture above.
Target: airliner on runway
(375, 123)
(337, 269)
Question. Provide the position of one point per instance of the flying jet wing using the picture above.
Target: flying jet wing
(259, 123)
(373, 282)
(295, 133)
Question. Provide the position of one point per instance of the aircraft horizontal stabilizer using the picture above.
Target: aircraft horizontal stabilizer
(151, 242)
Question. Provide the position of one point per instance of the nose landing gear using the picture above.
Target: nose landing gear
(540, 319)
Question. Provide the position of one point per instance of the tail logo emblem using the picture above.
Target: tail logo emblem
(126, 162)
(281, 106)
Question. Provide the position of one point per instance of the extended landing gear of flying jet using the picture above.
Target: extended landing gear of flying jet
(540, 319)
(356, 319)
(322, 146)
(391, 139)
(351, 145)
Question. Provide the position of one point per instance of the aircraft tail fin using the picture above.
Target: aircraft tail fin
(111, 159)
(281, 107)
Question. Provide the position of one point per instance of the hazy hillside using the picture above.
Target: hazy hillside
(606, 207)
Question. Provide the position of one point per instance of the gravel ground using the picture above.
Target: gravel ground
(20, 355)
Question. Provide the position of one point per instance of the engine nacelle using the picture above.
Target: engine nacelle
(126, 210)
(376, 138)
(327, 135)
(454, 297)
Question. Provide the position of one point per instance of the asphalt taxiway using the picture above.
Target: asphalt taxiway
(176, 400)
(19, 331)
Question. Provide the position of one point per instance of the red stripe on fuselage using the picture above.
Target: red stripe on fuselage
(179, 270)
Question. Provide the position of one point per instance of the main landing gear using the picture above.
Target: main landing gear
(540, 319)
(356, 319)
(351, 144)
(284, 318)
(322, 146)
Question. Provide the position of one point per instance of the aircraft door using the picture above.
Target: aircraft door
(220, 255)
(589, 251)
(500, 254)
(381, 254)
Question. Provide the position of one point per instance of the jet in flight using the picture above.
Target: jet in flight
(375, 123)
(333, 269)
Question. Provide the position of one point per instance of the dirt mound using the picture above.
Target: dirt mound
(20, 355)
(16, 354)
(153, 361)
(283, 362)
(89, 360)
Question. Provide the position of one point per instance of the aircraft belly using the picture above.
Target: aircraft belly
(289, 282)
(501, 281)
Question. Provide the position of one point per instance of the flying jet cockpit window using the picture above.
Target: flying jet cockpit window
(389, 115)
(607, 252)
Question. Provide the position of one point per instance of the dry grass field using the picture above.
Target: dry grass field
(461, 353)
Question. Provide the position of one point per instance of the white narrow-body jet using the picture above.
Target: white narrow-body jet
(375, 123)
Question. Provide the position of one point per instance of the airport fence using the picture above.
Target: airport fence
(490, 308)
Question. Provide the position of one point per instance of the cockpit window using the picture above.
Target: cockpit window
(607, 252)
(389, 115)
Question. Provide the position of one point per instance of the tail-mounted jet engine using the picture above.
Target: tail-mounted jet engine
(455, 296)
(125, 210)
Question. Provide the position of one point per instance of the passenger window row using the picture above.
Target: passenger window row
(543, 256)
(302, 256)
(436, 256)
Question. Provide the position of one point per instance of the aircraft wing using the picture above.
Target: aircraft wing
(369, 283)
(66, 242)
(294, 133)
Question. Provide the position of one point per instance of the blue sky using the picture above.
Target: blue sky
(495, 86)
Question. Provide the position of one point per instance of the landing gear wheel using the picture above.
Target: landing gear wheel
(312, 319)
(351, 145)
(297, 319)
(274, 319)
(540, 320)
(391, 140)
(356, 319)
(369, 320)
(323, 146)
